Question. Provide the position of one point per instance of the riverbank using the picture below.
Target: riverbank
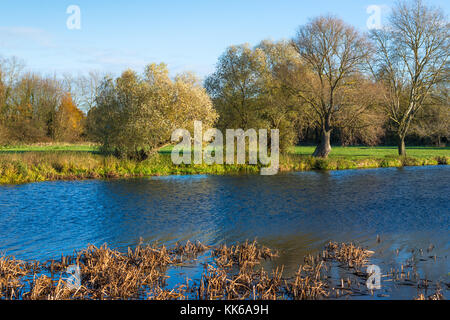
(25, 164)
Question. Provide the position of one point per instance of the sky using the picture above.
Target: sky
(188, 35)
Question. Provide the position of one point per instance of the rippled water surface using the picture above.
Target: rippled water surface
(296, 213)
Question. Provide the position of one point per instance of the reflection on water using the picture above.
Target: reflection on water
(296, 213)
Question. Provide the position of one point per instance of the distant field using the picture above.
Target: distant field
(354, 153)
(350, 153)
(82, 147)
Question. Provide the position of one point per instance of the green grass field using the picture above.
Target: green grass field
(354, 153)
(74, 147)
(338, 152)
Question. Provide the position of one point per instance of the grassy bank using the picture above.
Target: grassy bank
(23, 164)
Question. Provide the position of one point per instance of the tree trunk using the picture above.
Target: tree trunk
(324, 147)
(401, 146)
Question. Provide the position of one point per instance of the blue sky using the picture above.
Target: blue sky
(187, 35)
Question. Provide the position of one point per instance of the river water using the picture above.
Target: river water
(295, 213)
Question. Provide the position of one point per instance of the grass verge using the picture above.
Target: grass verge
(75, 162)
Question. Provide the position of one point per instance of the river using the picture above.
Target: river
(294, 213)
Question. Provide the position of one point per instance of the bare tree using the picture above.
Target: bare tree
(332, 51)
(411, 58)
(83, 88)
(10, 72)
(89, 88)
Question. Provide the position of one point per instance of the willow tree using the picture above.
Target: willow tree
(280, 104)
(332, 53)
(248, 89)
(411, 60)
(136, 114)
(236, 86)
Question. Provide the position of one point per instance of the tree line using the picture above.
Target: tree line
(329, 84)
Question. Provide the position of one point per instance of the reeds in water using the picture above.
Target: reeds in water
(353, 256)
(11, 272)
(232, 272)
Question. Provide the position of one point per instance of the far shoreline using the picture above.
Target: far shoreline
(80, 163)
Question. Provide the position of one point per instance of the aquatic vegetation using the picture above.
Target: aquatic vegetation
(241, 255)
(189, 249)
(11, 272)
(309, 282)
(46, 288)
(353, 256)
(435, 296)
(232, 272)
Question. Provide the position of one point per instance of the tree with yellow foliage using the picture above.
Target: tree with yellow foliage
(136, 114)
(68, 124)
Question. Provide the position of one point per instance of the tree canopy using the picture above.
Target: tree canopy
(136, 114)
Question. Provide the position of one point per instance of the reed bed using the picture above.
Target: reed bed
(11, 272)
(47, 288)
(353, 256)
(437, 295)
(189, 249)
(309, 283)
(231, 272)
(244, 255)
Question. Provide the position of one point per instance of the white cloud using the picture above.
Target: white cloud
(19, 37)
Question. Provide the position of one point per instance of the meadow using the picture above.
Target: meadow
(357, 152)
(44, 162)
